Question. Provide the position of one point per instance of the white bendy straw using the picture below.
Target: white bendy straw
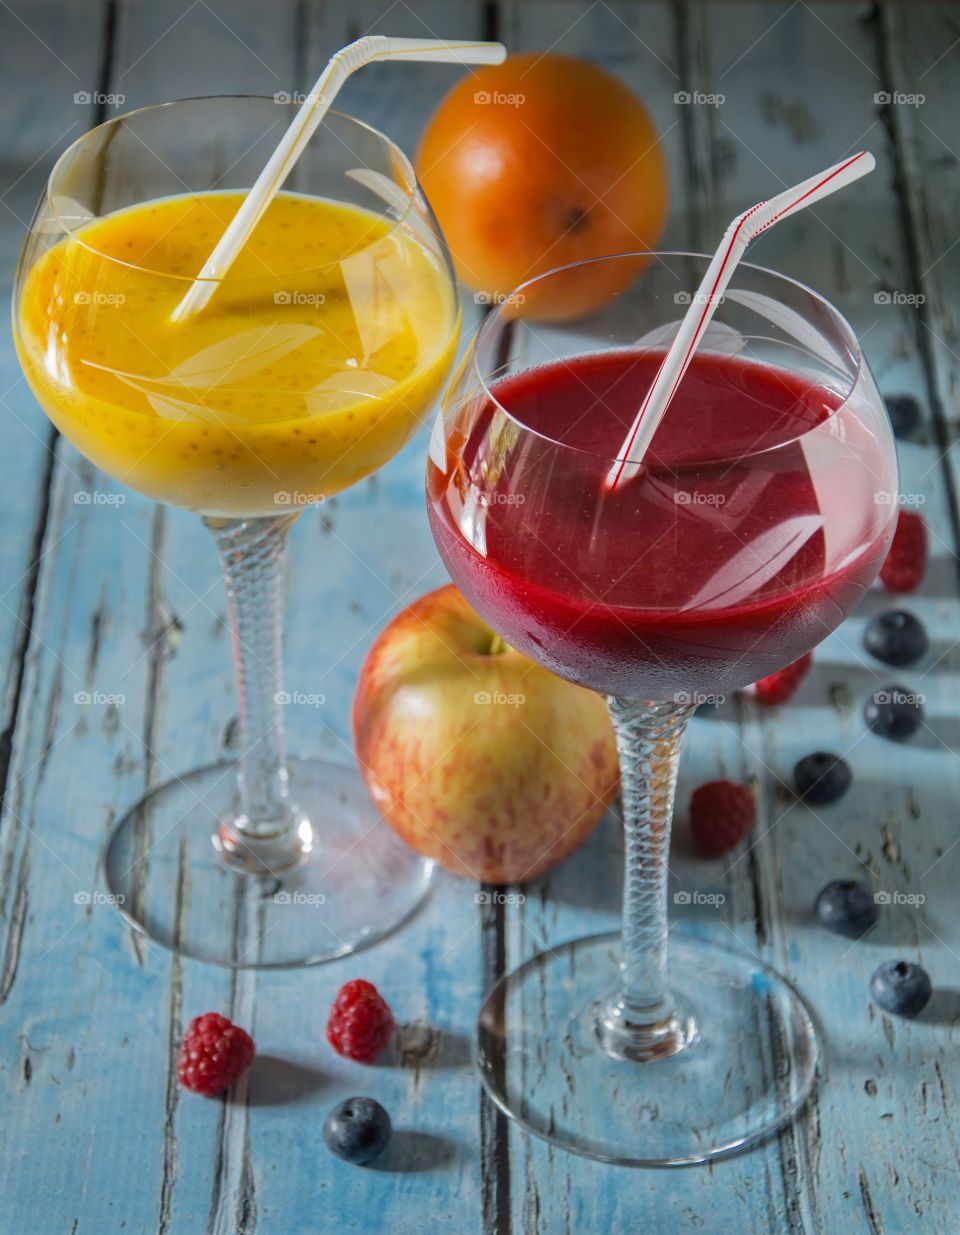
(703, 304)
(303, 126)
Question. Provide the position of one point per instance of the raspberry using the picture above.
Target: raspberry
(906, 561)
(360, 1023)
(721, 814)
(213, 1054)
(778, 687)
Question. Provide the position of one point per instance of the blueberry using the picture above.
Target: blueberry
(904, 413)
(901, 987)
(357, 1130)
(822, 778)
(894, 712)
(895, 637)
(847, 908)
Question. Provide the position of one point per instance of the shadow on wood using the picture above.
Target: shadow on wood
(282, 1082)
(410, 1152)
(943, 1008)
(419, 1045)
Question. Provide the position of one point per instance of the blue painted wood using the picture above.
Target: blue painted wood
(840, 1167)
(640, 43)
(98, 1010)
(47, 62)
(97, 1134)
(894, 826)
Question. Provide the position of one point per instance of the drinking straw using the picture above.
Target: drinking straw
(303, 126)
(703, 304)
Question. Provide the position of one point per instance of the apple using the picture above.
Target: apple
(475, 755)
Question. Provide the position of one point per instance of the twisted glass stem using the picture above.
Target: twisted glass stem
(267, 832)
(639, 1019)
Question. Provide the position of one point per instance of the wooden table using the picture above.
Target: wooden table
(124, 600)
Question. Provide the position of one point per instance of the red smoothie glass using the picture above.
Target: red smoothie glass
(762, 512)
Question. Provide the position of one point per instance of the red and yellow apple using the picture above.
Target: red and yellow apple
(476, 756)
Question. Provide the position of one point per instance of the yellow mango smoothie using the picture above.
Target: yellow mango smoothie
(309, 368)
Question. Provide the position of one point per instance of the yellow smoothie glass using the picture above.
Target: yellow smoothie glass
(311, 365)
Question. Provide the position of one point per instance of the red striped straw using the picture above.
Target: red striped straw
(744, 228)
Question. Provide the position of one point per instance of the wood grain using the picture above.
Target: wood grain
(125, 600)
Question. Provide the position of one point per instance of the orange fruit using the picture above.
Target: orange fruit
(543, 160)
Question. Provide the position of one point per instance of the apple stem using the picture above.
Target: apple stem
(498, 645)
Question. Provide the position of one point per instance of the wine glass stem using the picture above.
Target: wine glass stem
(639, 1020)
(267, 832)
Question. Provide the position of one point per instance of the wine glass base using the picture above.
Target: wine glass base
(747, 1069)
(358, 883)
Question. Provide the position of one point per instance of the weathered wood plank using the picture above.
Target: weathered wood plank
(642, 43)
(759, 136)
(54, 55)
(116, 1014)
(919, 66)
(119, 1146)
(54, 52)
(164, 51)
(353, 565)
(892, 827)
(399, 99)
(201, 1164)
